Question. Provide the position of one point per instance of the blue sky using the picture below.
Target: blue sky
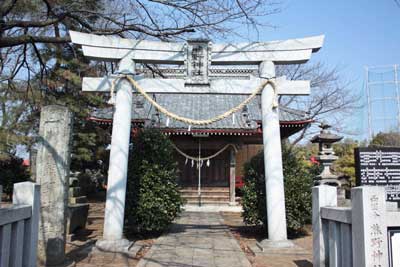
(357, 34)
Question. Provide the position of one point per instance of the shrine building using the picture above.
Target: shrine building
(223, 173)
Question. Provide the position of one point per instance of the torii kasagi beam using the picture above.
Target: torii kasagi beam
(197, 56)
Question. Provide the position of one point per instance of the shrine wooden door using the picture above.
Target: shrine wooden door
(215, 175)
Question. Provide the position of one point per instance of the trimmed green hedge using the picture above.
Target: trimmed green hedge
(12, 171)
(153, 199)
(298, 179)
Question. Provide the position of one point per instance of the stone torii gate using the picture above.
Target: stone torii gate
(198, 57)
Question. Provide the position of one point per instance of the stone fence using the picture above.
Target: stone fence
(354, 236)
(19, 224)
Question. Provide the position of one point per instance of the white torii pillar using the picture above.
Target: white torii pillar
(275, 194)
(118, 167)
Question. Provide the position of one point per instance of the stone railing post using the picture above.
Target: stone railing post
(369, 229)
(322, 196)
(28, 193)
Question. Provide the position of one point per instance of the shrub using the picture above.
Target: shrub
(298, 182)
(153, 199)
(12, 171)
(253, 199)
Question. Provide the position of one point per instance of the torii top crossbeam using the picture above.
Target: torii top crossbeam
(198, 56)
(114, 48)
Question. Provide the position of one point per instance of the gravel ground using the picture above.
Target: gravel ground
(247, 236)
(82, 251)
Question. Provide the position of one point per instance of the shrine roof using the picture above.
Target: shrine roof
(203, 106)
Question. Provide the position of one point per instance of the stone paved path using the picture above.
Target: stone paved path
(196, 239)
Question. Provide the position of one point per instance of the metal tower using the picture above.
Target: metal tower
(382, 88)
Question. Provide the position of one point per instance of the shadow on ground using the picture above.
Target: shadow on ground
(303, 263)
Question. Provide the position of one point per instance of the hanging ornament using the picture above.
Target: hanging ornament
(192, 163)
(189, 128)
(201, 163)
(208, 163)
(167, 123)
(186, 160)
(233, 119)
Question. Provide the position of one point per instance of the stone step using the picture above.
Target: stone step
(207, 189)
(212, 198)
(74, 191)
(206, 202)
(205, 193)
(78, 200)
(209, 195)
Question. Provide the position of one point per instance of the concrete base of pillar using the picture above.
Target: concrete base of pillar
(269, 244)
(121, 245)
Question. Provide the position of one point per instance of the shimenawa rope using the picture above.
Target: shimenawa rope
(188, 120)
(204, 158)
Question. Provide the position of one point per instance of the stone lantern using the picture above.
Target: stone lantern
(326, 155)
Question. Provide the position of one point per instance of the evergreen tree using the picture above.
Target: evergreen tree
(153, 199)
(53, 75)
(12, 171)
(298, 180)
(386, 139)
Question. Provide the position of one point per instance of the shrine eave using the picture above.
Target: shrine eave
(287, 128)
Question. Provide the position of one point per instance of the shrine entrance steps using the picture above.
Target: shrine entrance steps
(196, 239)
(209, 195)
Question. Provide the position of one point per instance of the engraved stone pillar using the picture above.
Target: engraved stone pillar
(275, 195)
(52, 173)
(369, 229)
(232, 177)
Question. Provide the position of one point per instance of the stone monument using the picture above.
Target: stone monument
(32, 164)
(52, 173)
(78, 208)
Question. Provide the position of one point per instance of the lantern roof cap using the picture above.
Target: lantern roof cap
(325, 136)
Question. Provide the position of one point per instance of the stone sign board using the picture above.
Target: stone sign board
(379, 166)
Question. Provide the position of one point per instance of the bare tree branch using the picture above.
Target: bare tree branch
(331, 96)
(38, 63)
